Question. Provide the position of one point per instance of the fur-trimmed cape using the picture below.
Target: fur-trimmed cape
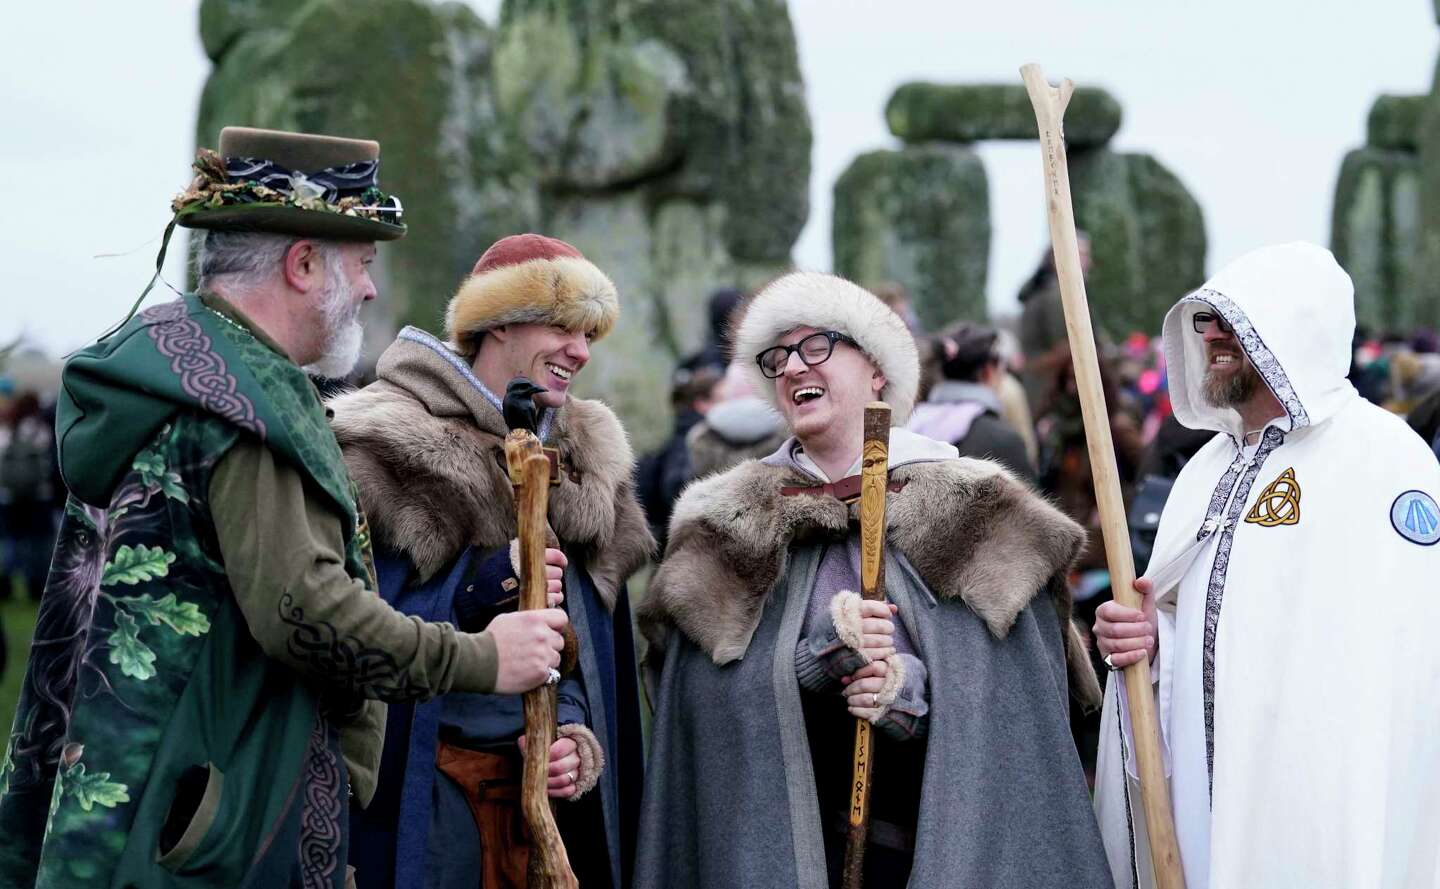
(735, 793)
(425, 446)
(428, 466)
(972, 532)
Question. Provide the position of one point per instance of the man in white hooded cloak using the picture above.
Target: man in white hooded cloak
(1295, 597)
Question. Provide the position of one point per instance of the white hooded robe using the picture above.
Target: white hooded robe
(1298, 598)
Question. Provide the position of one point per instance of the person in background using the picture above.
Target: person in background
(715, 354)
(740, 426)
(30, 494)
(663, 473)
(963, 408)
(1043, 340)
(1014, 407)
(897, 299)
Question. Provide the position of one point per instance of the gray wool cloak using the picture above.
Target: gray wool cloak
(975, 562)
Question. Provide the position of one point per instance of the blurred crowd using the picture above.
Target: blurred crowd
(31, 491)
(1007, 392)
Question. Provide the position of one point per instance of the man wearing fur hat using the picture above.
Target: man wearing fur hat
(768, 654)
(1290, 605)
(201, 700)
(424, 444)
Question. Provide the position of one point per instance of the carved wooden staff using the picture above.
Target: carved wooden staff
(530, 474)
(1049, 106)
(874, 480)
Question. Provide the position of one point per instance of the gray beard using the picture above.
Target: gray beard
(344, 336)
(1231, 390)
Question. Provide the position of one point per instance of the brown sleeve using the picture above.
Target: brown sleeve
(284, 554)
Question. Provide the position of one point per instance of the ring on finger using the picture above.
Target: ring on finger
(1110, 664)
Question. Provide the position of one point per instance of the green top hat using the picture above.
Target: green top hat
(296, 184)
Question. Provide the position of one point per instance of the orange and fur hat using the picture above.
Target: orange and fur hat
(531, 279)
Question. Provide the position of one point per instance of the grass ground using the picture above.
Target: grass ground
(18, 615)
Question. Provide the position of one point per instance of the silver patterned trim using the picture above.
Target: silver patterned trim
(416, 335)
(1125, 783)
(1260, 355)
(1215, 593)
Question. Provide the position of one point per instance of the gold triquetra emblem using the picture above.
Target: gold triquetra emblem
(1278, 504)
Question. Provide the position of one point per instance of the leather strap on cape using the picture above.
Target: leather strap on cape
(847, 490)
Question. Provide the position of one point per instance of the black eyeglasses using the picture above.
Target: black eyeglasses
(814, 349)
(1202, 321)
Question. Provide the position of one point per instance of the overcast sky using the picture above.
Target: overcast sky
(1252, 103)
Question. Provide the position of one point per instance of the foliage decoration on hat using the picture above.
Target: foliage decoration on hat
(829, 302)
(531, 279)
(239, 188)
(298, 184)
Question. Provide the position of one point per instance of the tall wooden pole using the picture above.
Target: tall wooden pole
(1049, 104)
(530, 474)
(874, 480)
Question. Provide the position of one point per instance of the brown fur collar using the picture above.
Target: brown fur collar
(432, 485)
(972, 532)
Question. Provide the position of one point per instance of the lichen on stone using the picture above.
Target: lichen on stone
(1147, 237)
(669, 138)
(1394, 122)
(1375, 235)
(919, 217)
(921, 112)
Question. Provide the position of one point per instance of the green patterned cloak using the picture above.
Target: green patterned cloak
(144, 683)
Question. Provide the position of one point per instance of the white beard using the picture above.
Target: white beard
(344, 336)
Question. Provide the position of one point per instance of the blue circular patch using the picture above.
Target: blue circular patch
(1416, 517)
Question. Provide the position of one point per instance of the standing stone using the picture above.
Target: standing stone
(919, 216)
(1374, 234)
(414, 76)
(667, 139)
(920, 112)
(1376, 228)
(1394, 123)
(672, 145)
(1429, 248)
(1147, 238)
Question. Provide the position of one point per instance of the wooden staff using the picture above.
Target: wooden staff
(874, 480)
(530, 474)
(1049, 106)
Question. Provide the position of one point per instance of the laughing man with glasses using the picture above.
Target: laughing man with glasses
(769, 656)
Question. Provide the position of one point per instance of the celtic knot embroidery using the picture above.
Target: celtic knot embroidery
(203, 374)
(345, 661)
(1278, 504)
(320, 813)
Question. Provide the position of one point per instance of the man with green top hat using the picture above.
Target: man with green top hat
(203, 694)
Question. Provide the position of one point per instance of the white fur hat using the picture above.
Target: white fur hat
(829, 302)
